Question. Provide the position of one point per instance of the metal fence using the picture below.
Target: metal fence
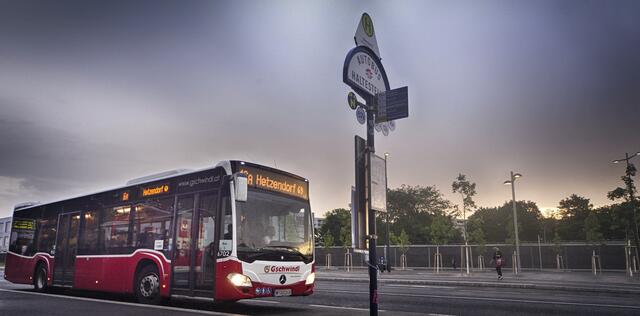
(534, 256)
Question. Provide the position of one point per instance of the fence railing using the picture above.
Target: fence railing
(610, 255)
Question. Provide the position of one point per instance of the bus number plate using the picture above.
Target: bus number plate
(282, 292)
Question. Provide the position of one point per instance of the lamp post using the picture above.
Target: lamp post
(631, 196)
(512, 182)
(386, 250)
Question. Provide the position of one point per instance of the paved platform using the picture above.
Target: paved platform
(610, 282)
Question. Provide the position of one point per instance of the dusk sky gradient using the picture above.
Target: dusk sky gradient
(94, 93)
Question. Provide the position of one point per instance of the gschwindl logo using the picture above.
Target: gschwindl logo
(281, 269)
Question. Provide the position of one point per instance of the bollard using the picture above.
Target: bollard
(514, 259)
(328, 261)
(348, 262)
(595, 264)
(628, 259)
(403, 261)
(481, 263)
(438, 261)
(559, 262)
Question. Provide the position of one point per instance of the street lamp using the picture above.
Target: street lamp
(512, 183)
(631, 196)
(386, 250)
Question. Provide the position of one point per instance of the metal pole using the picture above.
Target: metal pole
(388, 266)
(515, 219)
(464, 228)
(373, 264)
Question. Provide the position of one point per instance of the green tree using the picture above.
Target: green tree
(476, 234)
(573, 211)
(412, 209)
(402, 241)
(497, 222)
(467, 190)
(441, 229)
(592, 229)
(335, 221)
(345, 237)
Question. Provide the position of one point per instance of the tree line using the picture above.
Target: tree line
(422, 215)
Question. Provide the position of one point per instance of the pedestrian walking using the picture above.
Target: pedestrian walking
(497, 258)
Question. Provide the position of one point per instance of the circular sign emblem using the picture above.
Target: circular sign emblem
(367, 24)
(283, 279)
(392, 125)
(361, 115)
(385, 129)
(378, 127)
(353, 101)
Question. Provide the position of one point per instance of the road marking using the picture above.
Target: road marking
(493, 299)
(178, 309)
(261, 301)
(343, 307)
(420, 286)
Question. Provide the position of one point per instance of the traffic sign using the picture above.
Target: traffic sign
(361, 115)
(366, 35)
(353, 101)
(393, 105)
(364, 73)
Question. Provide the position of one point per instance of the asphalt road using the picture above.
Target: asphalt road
(333, 298)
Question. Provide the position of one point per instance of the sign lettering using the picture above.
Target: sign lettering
(272, 181)
(155, 190)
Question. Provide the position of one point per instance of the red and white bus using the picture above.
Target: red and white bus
(231, 232)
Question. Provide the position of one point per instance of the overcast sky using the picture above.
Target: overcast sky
(95, 93)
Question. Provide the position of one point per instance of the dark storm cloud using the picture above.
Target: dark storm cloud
(93, 93)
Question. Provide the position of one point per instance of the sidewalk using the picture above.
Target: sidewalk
(609, 282)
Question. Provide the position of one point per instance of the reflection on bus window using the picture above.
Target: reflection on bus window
(115, 229)
(152, 221)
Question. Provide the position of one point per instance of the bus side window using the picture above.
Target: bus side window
(89, 234)
(114, 229)
(151, 225)
(47, 230)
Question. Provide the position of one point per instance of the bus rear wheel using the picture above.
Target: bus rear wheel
(40, 279)
(147, 286)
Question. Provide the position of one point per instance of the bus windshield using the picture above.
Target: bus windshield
(274, 227)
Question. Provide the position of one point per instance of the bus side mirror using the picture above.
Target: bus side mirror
(241, 187)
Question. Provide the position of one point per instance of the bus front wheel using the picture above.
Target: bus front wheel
(147, 287)
(40, 279)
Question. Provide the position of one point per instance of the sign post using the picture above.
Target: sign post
(364, 73)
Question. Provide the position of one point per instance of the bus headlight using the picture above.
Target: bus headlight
(239, 280)
(310, 279)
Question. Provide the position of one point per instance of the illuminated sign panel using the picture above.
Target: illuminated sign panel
(272, 181)
(24, 224)
(155, 190)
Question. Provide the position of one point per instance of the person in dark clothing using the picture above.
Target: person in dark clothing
(453, 263)
(497, 258)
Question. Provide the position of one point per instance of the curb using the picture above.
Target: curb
(500, 284)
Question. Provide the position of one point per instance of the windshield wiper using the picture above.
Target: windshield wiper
(293, 250)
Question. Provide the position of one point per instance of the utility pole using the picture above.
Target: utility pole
(632, 198)
(512, 182)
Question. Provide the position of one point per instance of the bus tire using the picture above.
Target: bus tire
(147, 286)
(40, 279)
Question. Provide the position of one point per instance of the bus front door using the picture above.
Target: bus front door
(194, 259)
(66, 249)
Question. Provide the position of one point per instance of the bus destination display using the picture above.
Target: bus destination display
(271, 181)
